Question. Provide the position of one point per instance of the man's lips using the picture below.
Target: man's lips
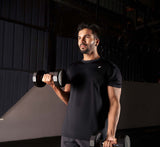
(83, 45)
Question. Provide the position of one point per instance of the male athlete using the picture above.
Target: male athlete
(92, 94)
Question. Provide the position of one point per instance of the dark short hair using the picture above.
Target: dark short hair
(94, 27)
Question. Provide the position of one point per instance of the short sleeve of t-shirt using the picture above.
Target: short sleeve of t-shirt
(114, 77)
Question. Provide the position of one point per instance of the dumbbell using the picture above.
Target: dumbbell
(123, 141)
(59, 78)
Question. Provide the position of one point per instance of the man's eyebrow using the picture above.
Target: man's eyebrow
(85, 35)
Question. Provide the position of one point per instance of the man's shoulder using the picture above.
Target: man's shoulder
(108, 62)
(110, 66)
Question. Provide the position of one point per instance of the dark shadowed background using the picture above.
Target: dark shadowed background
(41, 34)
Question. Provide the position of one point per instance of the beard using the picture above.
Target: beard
(87, 49)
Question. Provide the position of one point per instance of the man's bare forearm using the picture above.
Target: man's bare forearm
(113, 117)
(63, 95)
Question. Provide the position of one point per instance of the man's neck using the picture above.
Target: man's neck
(87, 57)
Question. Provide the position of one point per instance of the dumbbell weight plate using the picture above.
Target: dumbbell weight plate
(37, 78)
(62, 78)
(127, 141)
(59, 78)
(124, 141)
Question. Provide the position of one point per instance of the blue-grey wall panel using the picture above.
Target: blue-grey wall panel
(35, 12)
(33, 53)
(0, 8)
(40, 50)
(26, 48)
(18, 46)
(46, 46)
(58, 52)
(42, 7)
(23, 47)
(14, 85)
(8, 45)
(67, 51)
(31, 12)
(2, 91)
(28, 11)
(20, 10)
(13, 9)
(5, 7)
(63, 53)
(1, 42)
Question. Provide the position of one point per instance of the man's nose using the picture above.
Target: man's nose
(83, 40)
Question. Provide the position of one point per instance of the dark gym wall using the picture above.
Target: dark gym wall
(67, 51)
(23, 46)
(129, 44)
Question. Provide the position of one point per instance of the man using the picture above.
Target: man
(92, 94)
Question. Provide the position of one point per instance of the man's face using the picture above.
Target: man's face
(86, 41)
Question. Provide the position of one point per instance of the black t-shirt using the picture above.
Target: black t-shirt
(88, 105)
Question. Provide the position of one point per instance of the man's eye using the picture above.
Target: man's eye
(87, 36)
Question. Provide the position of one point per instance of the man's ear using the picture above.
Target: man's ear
(97, 42)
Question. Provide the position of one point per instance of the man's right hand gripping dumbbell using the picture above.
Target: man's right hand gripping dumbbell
(57, 78)
(48, 79)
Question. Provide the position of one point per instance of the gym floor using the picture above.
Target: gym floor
(140, 137)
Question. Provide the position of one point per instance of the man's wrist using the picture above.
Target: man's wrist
(111, 133)
(52, 84)
(111, 139)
